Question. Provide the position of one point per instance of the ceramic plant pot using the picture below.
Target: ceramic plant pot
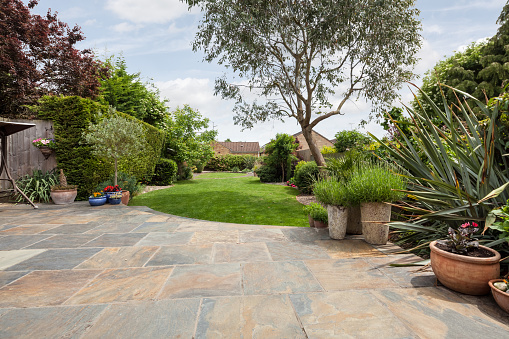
(107, 195)
(374, 219)
(125, 197)
(354, 225)
(338, 220)
(99, 201)
(464, 274)
(115, 201)
(64, 197)
(320, 224)
(311, 221)
(502, 298)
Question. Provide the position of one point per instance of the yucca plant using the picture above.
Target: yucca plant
(456, 169)
(37, 186)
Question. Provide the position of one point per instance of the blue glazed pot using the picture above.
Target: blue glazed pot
(107, 194)
(97, 201)
(115, 201)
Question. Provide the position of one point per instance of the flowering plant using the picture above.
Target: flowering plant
(116, 195)
(291, 183)
(97, 195)
(115, 188)
(461, 240)
(40, 142)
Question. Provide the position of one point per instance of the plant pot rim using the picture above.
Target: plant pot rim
(493, 288)
(97, 197)
(67, 190)
(464, 258)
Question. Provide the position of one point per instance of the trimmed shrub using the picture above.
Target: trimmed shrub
(305, 175)
(227, 162)
(268, 174)
(165, 172)
(71, 116)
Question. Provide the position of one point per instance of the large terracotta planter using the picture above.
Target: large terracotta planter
(311, 221)
(320, 224)
(338, 220)
(64, 197)
(468, 275)
(125, 197)
(502, 298)
(374, 219)
(354, 225)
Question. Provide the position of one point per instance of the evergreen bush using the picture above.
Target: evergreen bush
(165, 172)
(268, 174)
(305, 175)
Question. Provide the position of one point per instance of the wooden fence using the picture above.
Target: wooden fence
(22, 157)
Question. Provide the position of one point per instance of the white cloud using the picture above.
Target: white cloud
(147, 11)
(125, 27)
(433, 29)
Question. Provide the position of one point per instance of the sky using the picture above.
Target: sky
(155, 38)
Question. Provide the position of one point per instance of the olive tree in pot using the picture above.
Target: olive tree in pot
(374, 186)
(331, 192)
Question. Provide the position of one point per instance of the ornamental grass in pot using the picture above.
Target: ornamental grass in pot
(332, 193)
(374, 186)
(461, 264)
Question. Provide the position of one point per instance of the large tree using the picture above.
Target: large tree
(297, 54)
(38, 57)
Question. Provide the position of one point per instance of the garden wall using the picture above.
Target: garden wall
(22, 157)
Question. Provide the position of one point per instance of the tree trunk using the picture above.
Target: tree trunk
(115, 180)
(315, 151)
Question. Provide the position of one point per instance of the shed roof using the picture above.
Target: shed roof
(242, 147)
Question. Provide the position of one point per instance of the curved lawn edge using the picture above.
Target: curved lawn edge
(237, 200)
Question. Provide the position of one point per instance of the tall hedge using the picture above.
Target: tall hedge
(71, 116)
(226, 162)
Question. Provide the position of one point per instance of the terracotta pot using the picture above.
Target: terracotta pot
(338, 220)
(354, 225)
(125, 197)
(320, 224)
(64, 197)
(502, 298)
(311, 221)
(468, 275)
(374, 219)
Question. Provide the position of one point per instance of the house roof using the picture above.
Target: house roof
(296, 134)
(242, 147)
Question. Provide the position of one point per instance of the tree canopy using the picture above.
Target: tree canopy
(38, 57)
(129, 94)
(298, 54)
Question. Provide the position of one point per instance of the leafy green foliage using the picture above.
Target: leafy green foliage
(375, 183)
(268, 173)
(317, 212)
(114, 138)
(37, 186)
(128, 94)
(347, 140)
(279, 154)
(302, 51)
(165, 172)
(187, 174)
(343, 167)
(225, 162)
(331, 191)
(305, 175)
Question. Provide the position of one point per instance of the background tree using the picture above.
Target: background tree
(128, 94)
(298, 53)
(187, 137)
(115, 137)
(347, 140)
(279, 154)
(38, 57)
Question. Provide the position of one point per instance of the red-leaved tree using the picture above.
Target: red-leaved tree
(38, 57)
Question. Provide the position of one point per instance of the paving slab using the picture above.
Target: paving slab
(55, 259)
(49, 322)
(159, 319)
(8, 277)
(210, 237)
(71, 229)
(241, 252)
(248, 317)
(113, 227)
(119, 257)
(27, 229)
(10, 258)
(285, 251)
(17, 242)
(301, 234)
(164, 238)
(115, 240)
(44, 288)
(64, 241)
(182, 255)
(203, 281)
(348, 249)
(277, 278)
(116, 285)
(151, 226)
(261, 235)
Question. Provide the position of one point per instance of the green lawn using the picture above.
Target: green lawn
(238, 200)
(219, 175)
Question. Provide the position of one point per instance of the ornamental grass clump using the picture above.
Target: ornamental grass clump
(330, 191)
(375, 183)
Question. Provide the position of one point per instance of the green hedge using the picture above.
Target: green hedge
(71, 116)
(228, 161)
(165, 172)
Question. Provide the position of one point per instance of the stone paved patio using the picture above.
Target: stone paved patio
(129, 272)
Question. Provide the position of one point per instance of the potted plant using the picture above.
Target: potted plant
(374, 187)
(110, 190)
(63, 193)
(332, 193)
(318, 213)
(461, 264)
(307, 210)
(115, 198)
(499, 289)
(97, 199)
(45, 145)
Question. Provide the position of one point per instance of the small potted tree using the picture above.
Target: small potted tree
(461, 264)
(374, 187)
(63, 194)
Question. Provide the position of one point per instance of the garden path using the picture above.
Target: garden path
(130, 272)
